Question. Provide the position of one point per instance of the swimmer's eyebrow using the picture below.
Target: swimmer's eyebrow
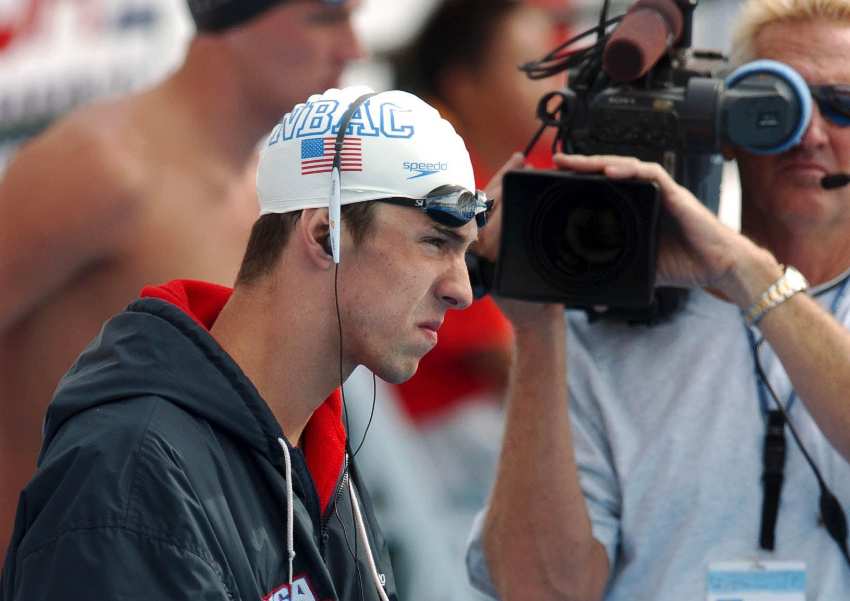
(453, 235)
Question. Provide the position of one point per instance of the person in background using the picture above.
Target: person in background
(147, 187)
(654, 462)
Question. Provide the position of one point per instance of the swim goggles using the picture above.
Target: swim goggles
(452, 206)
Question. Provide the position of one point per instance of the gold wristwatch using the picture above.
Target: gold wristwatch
(789, 283)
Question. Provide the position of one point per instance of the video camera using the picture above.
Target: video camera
(641, 91)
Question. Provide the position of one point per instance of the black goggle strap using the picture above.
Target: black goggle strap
(335, 200)
(443, 214)
(481, 216)
(482, 206)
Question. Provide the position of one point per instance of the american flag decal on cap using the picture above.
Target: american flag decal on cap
(317, 155)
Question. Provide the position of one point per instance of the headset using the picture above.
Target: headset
(335, 200)
(334, 231)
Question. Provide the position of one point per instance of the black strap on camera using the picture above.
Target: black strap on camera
(773, 474)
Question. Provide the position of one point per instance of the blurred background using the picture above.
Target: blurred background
(56, 54)
(431, 450)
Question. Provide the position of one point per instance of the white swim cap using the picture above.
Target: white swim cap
(395, 145)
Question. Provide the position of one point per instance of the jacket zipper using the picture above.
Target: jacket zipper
(339, 490)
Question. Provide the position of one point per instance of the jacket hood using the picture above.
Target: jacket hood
(150, 347)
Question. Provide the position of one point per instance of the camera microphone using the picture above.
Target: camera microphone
(835, 181)
(647, 30)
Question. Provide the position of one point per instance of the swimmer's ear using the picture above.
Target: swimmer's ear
(314, 231)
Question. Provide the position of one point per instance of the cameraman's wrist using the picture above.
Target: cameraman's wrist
(751, 275)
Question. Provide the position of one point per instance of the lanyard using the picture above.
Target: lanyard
(773, 458)
(760, 385)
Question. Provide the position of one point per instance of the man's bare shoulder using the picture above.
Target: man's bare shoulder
(67, 200)
(92, 155)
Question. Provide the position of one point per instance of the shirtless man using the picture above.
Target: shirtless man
(142, 189)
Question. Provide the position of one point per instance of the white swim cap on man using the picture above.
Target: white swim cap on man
(396, 145)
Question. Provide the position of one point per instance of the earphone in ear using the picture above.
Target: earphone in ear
(335, 199)
(326, 244)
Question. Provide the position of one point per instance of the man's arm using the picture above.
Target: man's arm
(65, 202)
(812, 345)
(537, 533)
(537, 537)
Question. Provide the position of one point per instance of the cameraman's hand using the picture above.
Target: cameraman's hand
(699, 250)
(523, 315)
(489, 237)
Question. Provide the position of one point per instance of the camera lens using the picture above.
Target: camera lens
(583, 233)
(594, 234)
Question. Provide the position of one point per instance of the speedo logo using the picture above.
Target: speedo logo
(423, 169)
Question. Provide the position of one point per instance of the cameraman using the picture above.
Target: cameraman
(636, 483)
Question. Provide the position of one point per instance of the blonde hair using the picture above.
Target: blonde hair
(757, 14)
